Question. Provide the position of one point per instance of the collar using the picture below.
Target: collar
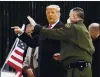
(79, 22)
(54, 24)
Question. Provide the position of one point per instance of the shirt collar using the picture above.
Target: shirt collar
(54, 24)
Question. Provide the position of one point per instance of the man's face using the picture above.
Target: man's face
(94, 32)
(73, 16)
(52, 15)
(29, 28)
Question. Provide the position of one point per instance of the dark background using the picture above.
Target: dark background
(15, 13)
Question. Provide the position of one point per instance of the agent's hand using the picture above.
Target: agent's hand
(68, 20)
(31, 20)
(17, 30)
(57, 56)
(30, 72)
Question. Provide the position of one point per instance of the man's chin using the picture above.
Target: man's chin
(51, 21)
(94, 37)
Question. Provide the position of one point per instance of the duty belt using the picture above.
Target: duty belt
(79, 64)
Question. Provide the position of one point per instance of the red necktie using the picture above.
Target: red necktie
(49, 27)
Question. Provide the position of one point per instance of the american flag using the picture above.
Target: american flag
(15, 60)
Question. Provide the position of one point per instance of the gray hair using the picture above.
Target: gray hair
(54, 6)
(94, 25)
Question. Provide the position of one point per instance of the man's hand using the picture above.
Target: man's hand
(31, 20)
(57, 56)
(17, 30)
(68, 20)
(30, 72)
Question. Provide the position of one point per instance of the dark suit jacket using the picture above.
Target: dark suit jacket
(47, 47)
(96, 58)
(76, 43)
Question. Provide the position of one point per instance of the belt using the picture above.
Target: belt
(79, 64)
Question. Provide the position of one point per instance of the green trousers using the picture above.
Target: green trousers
(75, 72)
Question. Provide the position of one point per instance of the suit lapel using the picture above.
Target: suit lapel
(58, 25)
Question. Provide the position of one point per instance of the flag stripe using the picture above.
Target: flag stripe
(15, 62)
(17, 59)
(18, 52)
(18, 56)
(19, 49)
(14, 66)
(19, 74)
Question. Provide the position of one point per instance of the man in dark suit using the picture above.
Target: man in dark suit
(76, 44)
(94, 30)
(48, 66)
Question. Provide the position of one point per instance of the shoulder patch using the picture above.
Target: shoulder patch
(67, 25)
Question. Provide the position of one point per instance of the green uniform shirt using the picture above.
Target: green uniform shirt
(76, 43)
